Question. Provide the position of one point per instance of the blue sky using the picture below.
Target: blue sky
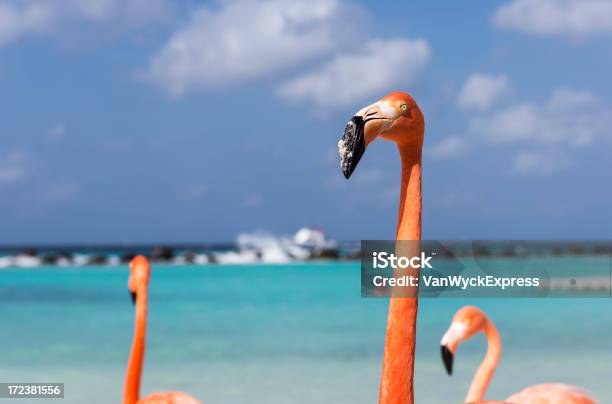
(149, 121)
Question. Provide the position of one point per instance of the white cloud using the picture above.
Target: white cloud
(451, 147)
(15, 167)
(540, 163)
(18, 19)
(569, 117)
(247, 39)
(552, 129)
(349, 77)
(481, 91)
(27, 18)
(565, 99)
(574, 18)
(517, 122)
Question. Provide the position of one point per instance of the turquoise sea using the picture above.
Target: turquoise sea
(275, 334)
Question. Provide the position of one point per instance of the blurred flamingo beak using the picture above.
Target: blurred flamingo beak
(450, 342)
(360, 131)
(133, 297)
(447, 358)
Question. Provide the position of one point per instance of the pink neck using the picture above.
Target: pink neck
(134, 370)
(396, 385)
(483, 375)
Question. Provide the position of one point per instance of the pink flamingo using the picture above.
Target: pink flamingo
(138, 284)
(397, 118)
(469, 321)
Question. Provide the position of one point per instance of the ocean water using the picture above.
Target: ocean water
(286, 334)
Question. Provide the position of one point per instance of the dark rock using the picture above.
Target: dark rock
(30, 252)
(480, 251)
(162, 253)
(190, 257)
(97, 260)
(601, 249)
(50, 259)
(326, 254)
(127, 257)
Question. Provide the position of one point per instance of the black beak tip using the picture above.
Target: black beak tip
(133, 297)
(447, 358)
(347, 173)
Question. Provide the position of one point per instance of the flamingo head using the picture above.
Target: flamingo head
(467, 322)
(395, 117)
(140, 271)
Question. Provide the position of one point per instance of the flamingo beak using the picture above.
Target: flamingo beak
(450, 342)
(133, 297)
(358, 134)
(447, 358)
(351, 146)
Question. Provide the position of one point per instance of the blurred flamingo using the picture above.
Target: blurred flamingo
(397, 118)
(469, 321)
(138, 285)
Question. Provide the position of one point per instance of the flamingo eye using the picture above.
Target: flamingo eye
(404, 107)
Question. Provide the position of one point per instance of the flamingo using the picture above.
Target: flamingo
(398, 118)
(469, 321)
(138, 285)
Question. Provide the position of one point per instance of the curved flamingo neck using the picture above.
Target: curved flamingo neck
(396, 385)
(134, 370)
(483, 375)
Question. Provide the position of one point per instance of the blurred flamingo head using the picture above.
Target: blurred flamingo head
(140, 271)
(395, 117)
(466, 323)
